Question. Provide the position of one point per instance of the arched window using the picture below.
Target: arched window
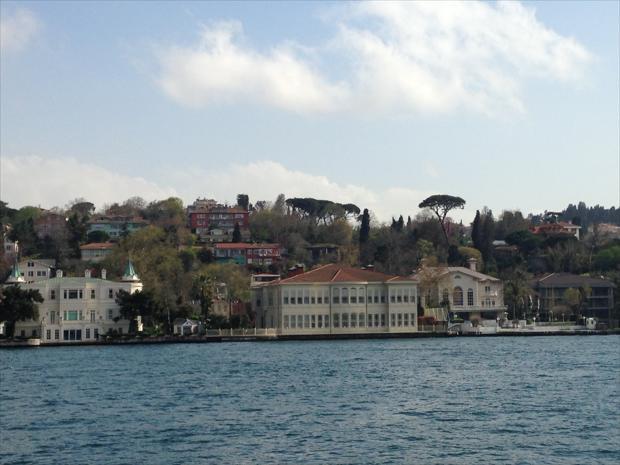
(445, 296)
(457, 297)
(470, 297)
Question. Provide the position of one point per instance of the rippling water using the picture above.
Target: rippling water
(543, 400)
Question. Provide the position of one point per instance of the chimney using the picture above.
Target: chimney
(472, 263)
(59, 273)
(295, 270)
(87, 273)
(104, 273)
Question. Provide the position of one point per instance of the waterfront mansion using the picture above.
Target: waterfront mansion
(76, 309)
(336, 299)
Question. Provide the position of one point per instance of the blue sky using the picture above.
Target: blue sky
(507, 105)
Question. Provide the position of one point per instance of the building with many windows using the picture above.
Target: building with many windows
(116, 226)
(464, 292)
(217, 224)
(36, 269)
(76, 309)
(96, 251)
(550, 296)
(248, 254)
(336, 299)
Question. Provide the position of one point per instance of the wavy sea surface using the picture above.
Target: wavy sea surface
(534, 400)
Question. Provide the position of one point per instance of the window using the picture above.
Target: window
(377, 297)
(31, 273)
(71, 294)
(92, 316)
(110, 293)
(56, 334)
(306, 296)
(345, 320)
(360, 295)
(286, 322)
(336, 320)
(96, 333)
(320, 321)
(457, 297)
(312, 321)
(383, 319)
(306, 321)
(319, 298)
(376, 319)
(361, 320)
(326, 321)
(445, 296)
(487, 289)
(392, 296)
(336, 296)
(400, 319)
(406, 296)
(285, 297)
(393, 319)
(399, 296)
(299, 296)
(345, 295)
(53, 294)
(71, 315)
(353, 294)
(48, 334)
(300, 321)
(87, 333)
(52, 318)
(30, 264)
(293, 321)
(470, 297)
(406, 319)
(110, 313)
(92, 293)
(313, 296)
(353, 320)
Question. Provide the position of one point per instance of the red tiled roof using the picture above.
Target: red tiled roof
(244, 245)
(97, 246)
(339, 273)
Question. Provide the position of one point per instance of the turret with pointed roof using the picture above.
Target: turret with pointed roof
(15, 277)
(130, 274)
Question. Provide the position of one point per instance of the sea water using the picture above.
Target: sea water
(512, 400)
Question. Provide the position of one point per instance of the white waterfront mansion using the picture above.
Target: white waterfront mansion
(76, 309)
(467, 293)
(337, 299)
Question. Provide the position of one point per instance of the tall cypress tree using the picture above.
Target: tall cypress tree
(476, 231)
(236, 236)
(364, 235)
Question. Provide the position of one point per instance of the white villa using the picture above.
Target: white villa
(471, 295)
(76, 309)
(36, 269)
(337, 299)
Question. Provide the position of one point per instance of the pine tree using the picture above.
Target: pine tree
(400, 224)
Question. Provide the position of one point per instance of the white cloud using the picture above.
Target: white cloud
(17, 29)
(33, 180)
(222, 70)
(404, 57)
(50, 182)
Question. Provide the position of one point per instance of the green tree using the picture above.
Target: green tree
(139, 304)
(18, 304)
(243, 200)
(441, 205)
(476, 231)
(236, 236)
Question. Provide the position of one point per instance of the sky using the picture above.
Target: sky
(508, 105)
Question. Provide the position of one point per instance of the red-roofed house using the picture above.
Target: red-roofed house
(558, 229)
(248, 254)
(337, 299)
